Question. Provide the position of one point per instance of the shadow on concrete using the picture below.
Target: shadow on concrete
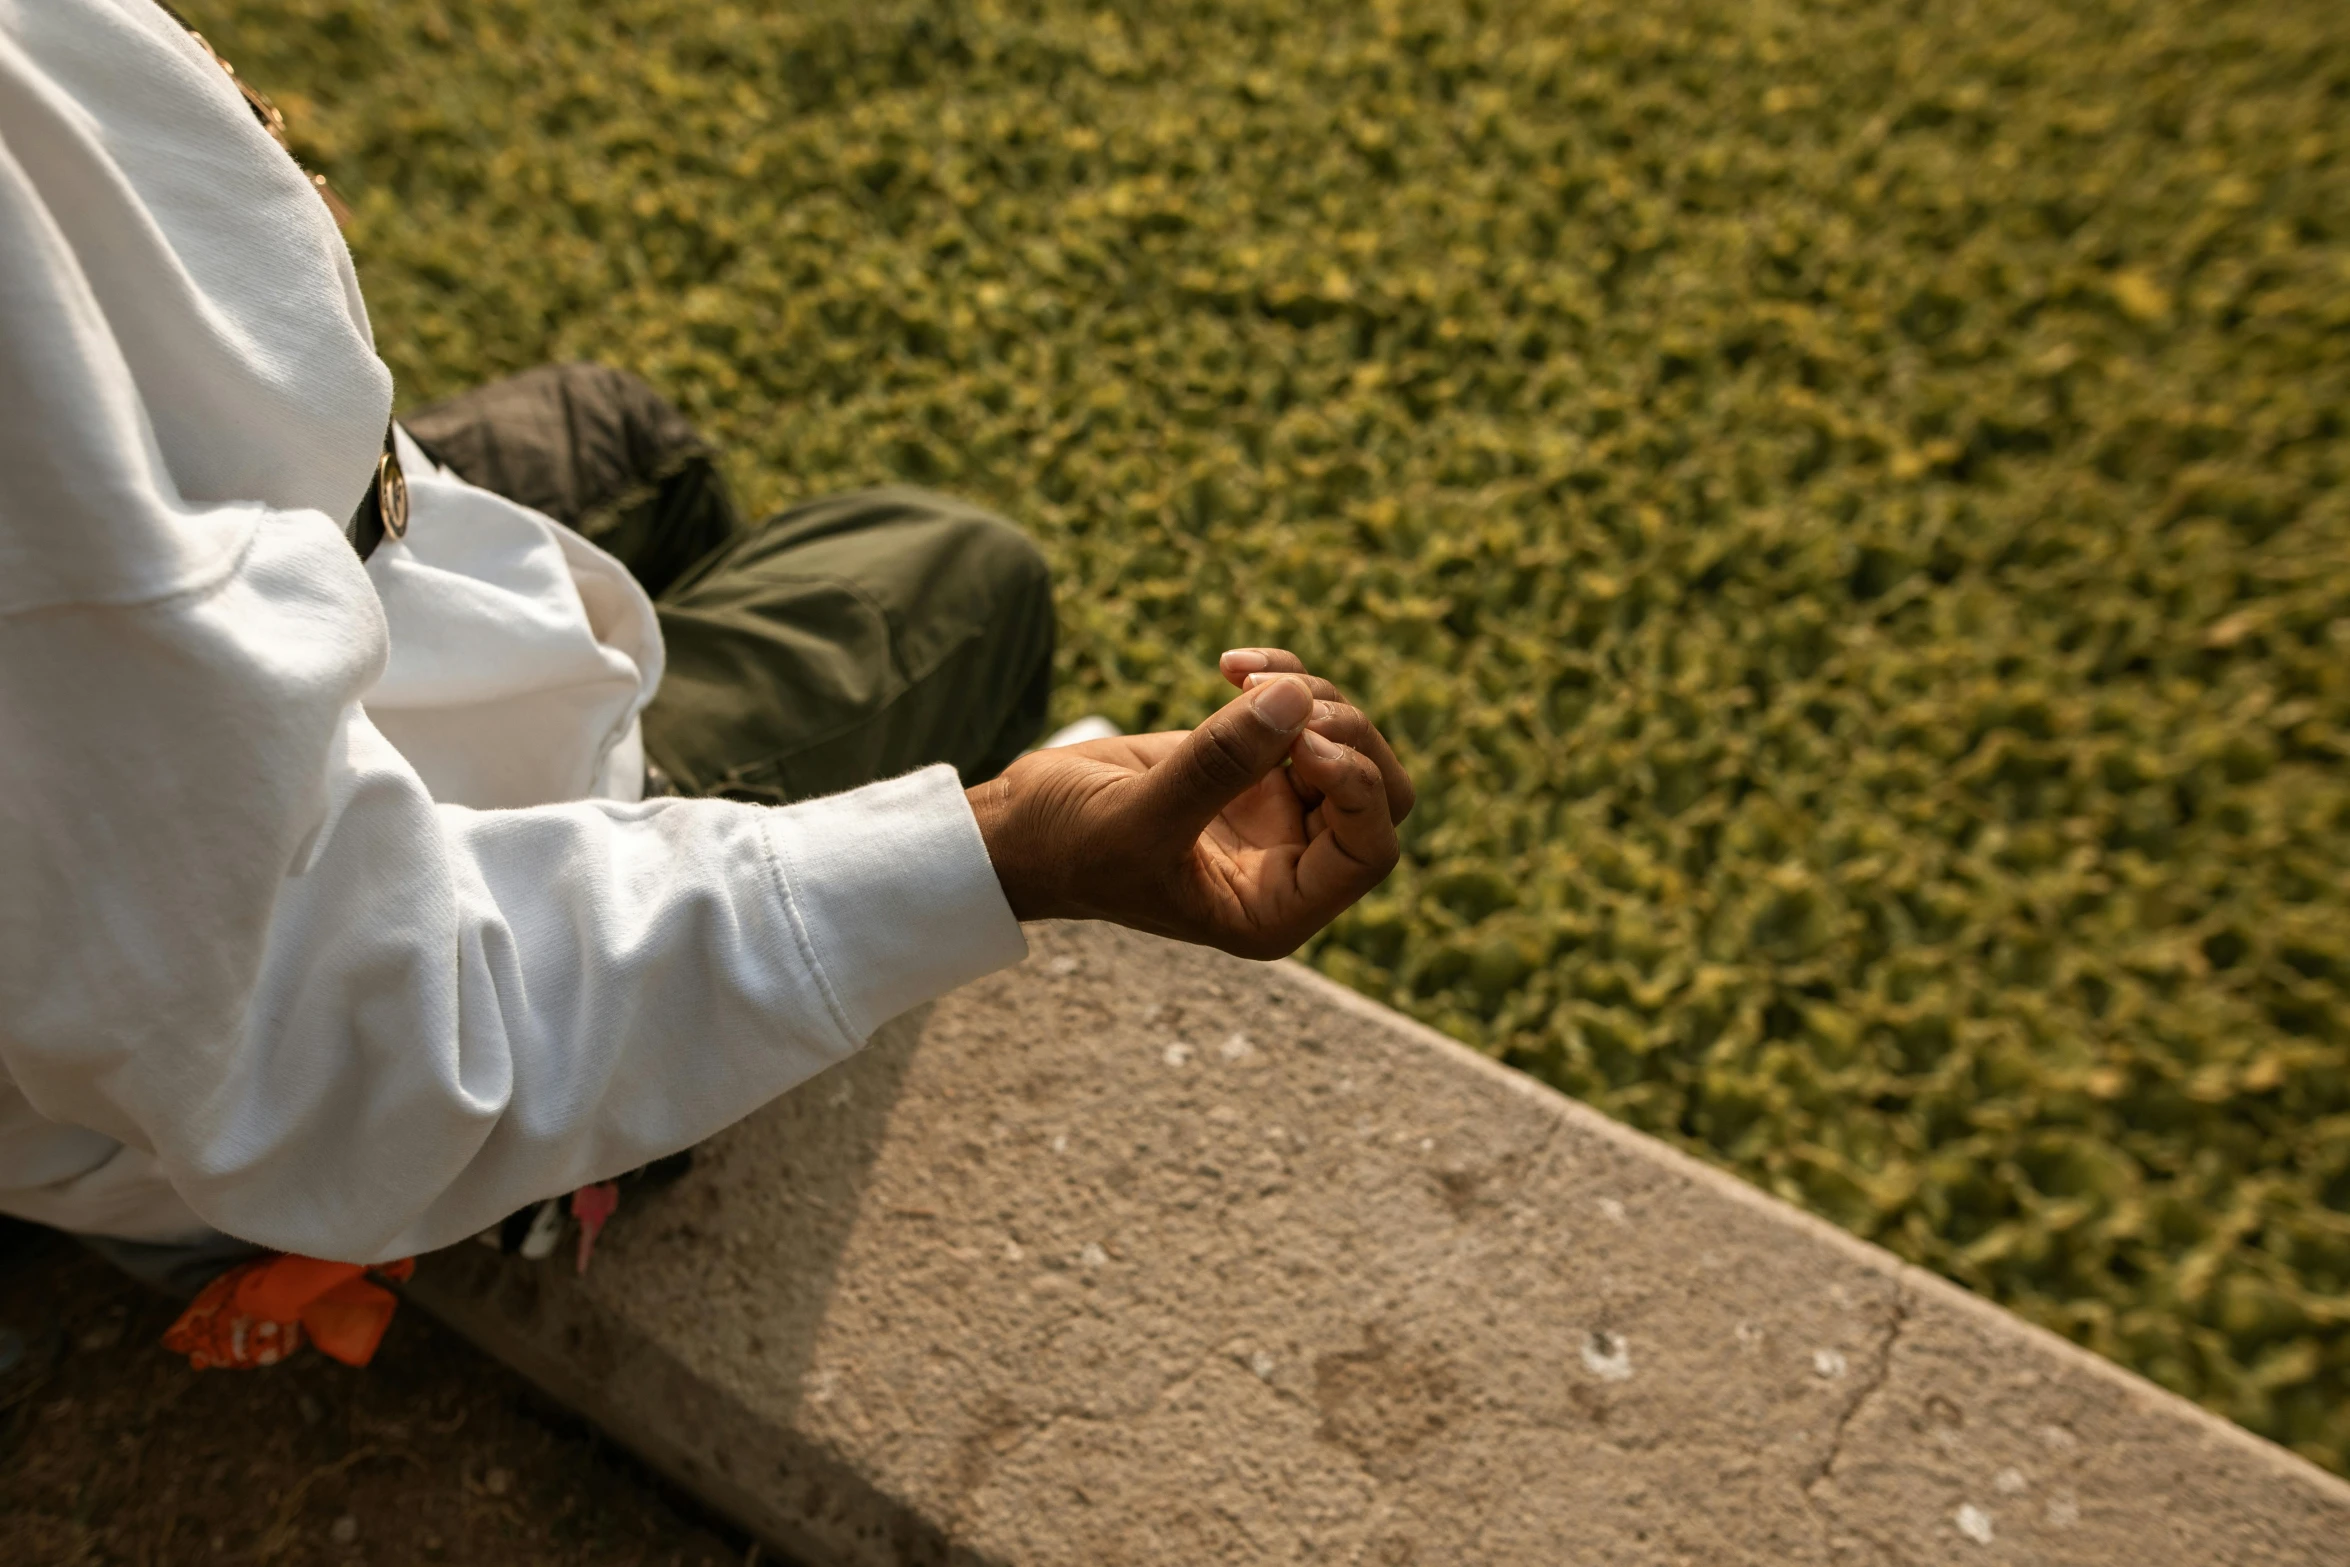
(113, 1450)
(794, 1173)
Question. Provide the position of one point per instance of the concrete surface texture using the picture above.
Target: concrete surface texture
(1142, 1254)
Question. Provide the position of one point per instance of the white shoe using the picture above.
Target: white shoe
(546, 1228)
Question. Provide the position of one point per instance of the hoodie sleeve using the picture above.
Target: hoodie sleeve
(236, 932)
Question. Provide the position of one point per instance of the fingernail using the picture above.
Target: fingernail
(1254, 681)
(1242, 660)
(1321, 749)
(1324, 712)
(1283, 704)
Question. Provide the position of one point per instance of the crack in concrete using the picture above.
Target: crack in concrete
(1880, 1372)
(1048, 1419)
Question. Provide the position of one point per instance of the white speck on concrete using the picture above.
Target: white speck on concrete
(1092, 1254)
(1828, 1363)
(1060, 1142)
(1346, 1085)
(1012, 1251)
(1062, 967)
(1262, 1364)
(1427, 1145)
(2009, 1482)
(1607, 1357)
(2064, 1510)
(1749, 1335)
(343, 1530)
(2057, 1439)
(1974, 1523)
(1236, 1048)
(1176, 1054)
(820, 1386)
(1613, 1209)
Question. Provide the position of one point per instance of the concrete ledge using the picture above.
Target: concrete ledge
(1140, 1254)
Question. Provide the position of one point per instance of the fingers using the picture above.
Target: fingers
(1358, 847)
(1323, 690)
(1240, 743)
(1351, 727)
(1242, 662)
(1250, 667)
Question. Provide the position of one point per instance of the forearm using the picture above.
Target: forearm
(349, 1022)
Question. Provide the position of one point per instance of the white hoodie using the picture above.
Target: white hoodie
(324, 919)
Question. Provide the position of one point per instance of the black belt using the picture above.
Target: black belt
(383, 510)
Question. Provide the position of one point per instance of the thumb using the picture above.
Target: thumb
(1240, 743)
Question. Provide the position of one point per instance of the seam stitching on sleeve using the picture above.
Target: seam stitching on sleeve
(774, 855)
(215, 580)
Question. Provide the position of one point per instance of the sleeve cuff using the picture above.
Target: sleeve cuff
(893, 895)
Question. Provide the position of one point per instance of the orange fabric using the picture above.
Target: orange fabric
(259, 1312)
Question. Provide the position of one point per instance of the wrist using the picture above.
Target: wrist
(994, 807)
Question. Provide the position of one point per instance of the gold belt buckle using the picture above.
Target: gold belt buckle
(391, 492)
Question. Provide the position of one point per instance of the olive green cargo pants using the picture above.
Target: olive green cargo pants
(846, 639)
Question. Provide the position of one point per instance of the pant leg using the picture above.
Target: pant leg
(845, 640)
(849, 639)
(597, 450)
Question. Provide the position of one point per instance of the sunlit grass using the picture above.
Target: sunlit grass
(1841, 504)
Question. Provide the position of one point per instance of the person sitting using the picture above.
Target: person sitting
(401, 825)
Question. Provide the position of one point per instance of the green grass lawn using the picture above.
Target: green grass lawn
(1841, 504)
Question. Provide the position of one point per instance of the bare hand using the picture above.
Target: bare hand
(1202, 834)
